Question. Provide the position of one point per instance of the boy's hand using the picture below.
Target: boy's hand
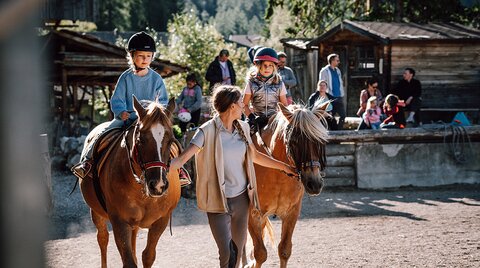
(124, 115)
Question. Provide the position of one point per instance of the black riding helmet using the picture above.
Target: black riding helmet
(141, 41)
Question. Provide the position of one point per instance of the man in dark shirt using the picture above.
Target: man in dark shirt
(220, 71)
(409, 90)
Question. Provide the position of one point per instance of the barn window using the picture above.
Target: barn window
(366, 58)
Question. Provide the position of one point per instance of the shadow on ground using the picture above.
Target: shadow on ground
(71, 217)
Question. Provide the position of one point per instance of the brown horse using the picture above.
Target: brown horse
(296, 135)
(132, 189)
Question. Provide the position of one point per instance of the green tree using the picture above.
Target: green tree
(230, 16)
(313, 17)
(114, 14)
(425, 11)
(240, 17)
(136, 14)
(196, 44)
(277, 26)
(138, 19)
(158, 13)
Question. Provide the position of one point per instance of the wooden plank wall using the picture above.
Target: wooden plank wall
(304, 64)
(449, 73)
(340, 169)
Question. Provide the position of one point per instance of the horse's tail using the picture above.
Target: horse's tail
(268, 230)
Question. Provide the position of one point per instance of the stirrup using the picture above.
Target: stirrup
(81, 170)
(184, 177)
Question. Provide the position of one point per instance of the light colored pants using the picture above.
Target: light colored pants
(115, 123)
(231, 226)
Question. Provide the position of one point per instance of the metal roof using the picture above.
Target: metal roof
(402, 31)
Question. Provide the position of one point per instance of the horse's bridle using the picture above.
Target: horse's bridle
(136, 158)
(303, 165)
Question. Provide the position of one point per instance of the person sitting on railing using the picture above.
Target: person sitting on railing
(393, 109)
(409, 90)
(372, 114)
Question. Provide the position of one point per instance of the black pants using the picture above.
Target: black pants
(414, 106)
(339, 108)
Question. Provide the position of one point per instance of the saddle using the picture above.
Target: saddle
(103, 142)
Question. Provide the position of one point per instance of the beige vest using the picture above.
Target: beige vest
(210, 176)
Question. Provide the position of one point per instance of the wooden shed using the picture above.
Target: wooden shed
(446, 58)
(303, 62)
(80, 65)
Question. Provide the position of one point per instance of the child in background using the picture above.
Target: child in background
(191, 101)
(372, 114)
(393, 109)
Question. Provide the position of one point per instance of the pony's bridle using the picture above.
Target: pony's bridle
(136, 158)
(303, 165)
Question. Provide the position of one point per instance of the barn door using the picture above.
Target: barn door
(362, 64)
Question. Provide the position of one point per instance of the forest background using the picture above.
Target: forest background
(199, 29)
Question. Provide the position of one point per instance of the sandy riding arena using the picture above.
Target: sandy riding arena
(410, 227)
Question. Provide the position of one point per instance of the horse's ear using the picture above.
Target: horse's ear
(285, 111)
(138, 108)
(323, 106)
(320, 110)
(171, 105)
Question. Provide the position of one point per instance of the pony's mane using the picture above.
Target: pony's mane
(156, 113)
(310, 126)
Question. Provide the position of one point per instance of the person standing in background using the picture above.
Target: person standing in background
(221, 71)
(287, 74)
(331, 73)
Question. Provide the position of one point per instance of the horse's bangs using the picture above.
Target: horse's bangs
(156, 113)
(311, 127)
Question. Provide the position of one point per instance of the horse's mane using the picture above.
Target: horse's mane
(303, 119)
(156, 113)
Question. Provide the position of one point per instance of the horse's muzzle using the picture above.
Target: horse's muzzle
(313, 185)
(157, 187)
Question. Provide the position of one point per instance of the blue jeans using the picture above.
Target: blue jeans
(375, 125)
(115, 123)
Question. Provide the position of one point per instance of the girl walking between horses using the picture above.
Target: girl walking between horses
(226, 182)
(264, 89)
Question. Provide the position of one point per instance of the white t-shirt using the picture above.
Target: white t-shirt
(234, 150)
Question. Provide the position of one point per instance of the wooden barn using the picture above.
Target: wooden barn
(81, 66)
(446, 58)
(303, 62)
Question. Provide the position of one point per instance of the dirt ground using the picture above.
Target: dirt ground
(408, 227)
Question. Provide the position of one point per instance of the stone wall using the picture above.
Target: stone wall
(436, 154)
(417, 164)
